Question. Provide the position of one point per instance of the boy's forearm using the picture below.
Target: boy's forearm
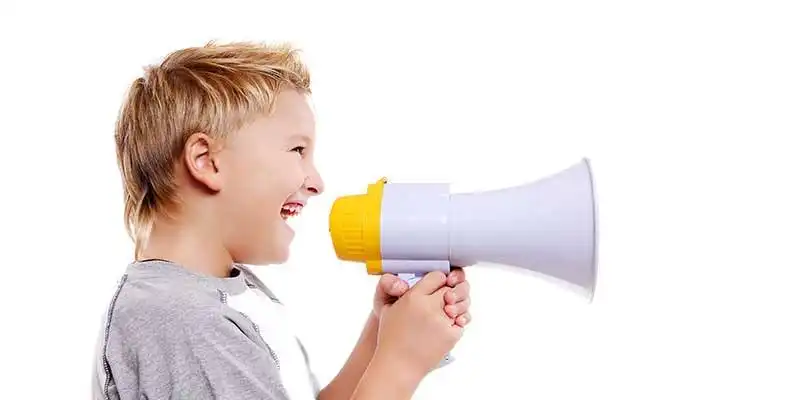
(385, 379)
(344, 384)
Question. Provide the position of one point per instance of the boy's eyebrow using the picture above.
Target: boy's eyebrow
(300, 136)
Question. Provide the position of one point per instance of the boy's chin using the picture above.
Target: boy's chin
(278, 254)
(274, 251)
(280, 258)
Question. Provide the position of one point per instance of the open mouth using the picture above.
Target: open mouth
(290, 209)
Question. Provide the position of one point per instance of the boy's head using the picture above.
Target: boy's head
(220, 136)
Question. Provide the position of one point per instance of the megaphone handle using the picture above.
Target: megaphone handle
(412, 279)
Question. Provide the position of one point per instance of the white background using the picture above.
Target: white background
(686, 109)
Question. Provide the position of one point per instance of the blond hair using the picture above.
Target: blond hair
(214, 89)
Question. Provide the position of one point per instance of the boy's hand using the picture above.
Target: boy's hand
(457, 301)
(415, 333)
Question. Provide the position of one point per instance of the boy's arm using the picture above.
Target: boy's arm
(368, 376)
(384, 379)
(344, 384)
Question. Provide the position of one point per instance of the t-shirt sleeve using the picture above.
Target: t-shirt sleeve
(156, 351)
(312, 376)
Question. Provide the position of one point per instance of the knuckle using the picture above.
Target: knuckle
(438, 275)
(385, 279)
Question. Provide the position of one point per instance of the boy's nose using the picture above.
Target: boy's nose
(314, 185)
(312, 189)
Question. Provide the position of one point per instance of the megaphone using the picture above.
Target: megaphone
(548, 227)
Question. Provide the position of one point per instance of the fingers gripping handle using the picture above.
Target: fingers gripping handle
(411, 279)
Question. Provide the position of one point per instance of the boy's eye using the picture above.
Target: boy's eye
(299, 149)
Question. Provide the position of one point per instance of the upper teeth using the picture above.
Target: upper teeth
(292, 208)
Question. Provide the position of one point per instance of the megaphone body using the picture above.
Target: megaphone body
(409, 229)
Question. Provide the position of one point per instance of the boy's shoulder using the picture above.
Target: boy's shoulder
(159, 295)
(167, 296)
(163, 320)
(158, 287)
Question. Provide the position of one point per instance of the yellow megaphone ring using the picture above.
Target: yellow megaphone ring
(355, 227)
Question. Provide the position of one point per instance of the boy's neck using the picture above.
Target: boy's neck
(194, 247)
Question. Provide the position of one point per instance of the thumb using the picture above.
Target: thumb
(430, 283)
(392, 286)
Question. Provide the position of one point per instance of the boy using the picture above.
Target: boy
(215, 146)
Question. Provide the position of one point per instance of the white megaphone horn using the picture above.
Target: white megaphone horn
(548, 227)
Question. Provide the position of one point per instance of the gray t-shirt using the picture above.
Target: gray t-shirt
(170, 333)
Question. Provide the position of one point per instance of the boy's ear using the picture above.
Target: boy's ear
(202, 161)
